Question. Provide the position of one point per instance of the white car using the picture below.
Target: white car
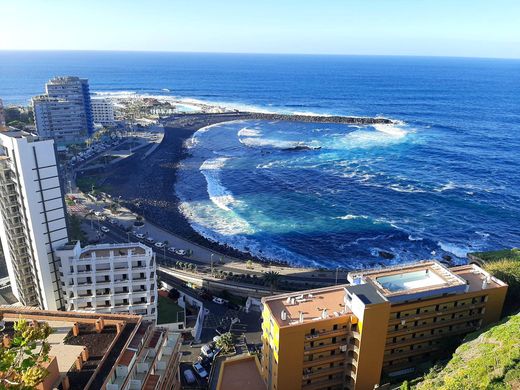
(219, 301)
(160, 244)
(97, 213)
(104, 229)
(139, 235)
(207, 351)
(181, 252)
(188, 375)
(200, 370)
(171, 249)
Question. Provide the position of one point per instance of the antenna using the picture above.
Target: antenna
(283, 315)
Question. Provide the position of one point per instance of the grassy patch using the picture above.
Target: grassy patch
(487, 361)
(511, 254)
(169, 311)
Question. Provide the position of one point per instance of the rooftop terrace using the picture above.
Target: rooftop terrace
(107, 250)
(242, 372)
(294, 308)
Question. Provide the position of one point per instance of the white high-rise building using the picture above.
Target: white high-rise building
(32, 218)
(2, 115)
(103, 111)
(109, 278)
(64, 112)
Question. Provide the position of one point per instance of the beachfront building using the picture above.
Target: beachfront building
(2, 116)
(384, 324)
(64, 112)
(109, 278)
(103, 351)
(32, 218)
(103, 111)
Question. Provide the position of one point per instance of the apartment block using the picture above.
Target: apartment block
(2, 116)
(103, 351)
(109, 278)
(103, 111)
(382, 325)
(64, 112)
(32, 218)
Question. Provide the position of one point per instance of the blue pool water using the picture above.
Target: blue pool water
(445, 180)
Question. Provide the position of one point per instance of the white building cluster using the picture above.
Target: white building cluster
(109, 278)
(45, 269)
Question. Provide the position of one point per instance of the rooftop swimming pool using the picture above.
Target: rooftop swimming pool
(410, 280)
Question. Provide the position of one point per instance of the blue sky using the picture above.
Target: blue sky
(477, 28)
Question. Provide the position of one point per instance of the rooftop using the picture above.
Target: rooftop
(242, 372)
(315, 304)
(412, 278)
(107, 250)
(476, 278)
(103, 346)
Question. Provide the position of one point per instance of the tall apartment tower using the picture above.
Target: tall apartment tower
(109, 278)
(383, 325)
(2, 115)
(32, 218)
(64, 112)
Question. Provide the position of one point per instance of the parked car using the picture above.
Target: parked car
(104, 229)
(189, 376)
(219, 300)
(171, 249)
(159, 244)
(150, 240)
(139, 235)
(181, 252)
(97, 213)
(200, 370)
(207, 351)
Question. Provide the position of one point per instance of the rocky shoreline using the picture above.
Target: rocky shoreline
(351, 120)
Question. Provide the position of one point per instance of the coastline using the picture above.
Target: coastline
(147, 187)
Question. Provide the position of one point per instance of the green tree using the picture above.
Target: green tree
(271, 279)
(249, 264)
(22, 358)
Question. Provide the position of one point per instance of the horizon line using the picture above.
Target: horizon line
(259, 53)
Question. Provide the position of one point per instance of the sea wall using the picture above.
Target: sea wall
(319, 118)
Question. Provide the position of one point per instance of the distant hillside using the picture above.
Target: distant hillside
(486, 361)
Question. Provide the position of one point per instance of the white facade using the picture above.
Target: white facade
(110, 278)
(103, 111)
(32, 218)
(2, 114)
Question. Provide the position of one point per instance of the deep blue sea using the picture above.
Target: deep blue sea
(446, 180)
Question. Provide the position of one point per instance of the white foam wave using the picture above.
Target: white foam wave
(391, 130)
(218, 194)
(459, 251)
(414, 238)
(245, 132)
(349, 217)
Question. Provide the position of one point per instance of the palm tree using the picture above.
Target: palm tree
(271, 279)
(225, 342)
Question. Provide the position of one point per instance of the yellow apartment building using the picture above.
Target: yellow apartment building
(381, 325)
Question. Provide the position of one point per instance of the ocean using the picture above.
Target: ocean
(443, 181)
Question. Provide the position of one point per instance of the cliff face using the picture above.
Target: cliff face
(489, 360)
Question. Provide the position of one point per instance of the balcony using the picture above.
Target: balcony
(321, 348)
(328, 333)
(323, 372)
(326, 385)
(437, 313)
(323, 360)
(415, 329)
(418, 340)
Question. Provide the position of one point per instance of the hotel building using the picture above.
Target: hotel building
(109, 278)
(384, 324)
(64, 112)
(103, 111)
(32, 218)
(103, 351)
